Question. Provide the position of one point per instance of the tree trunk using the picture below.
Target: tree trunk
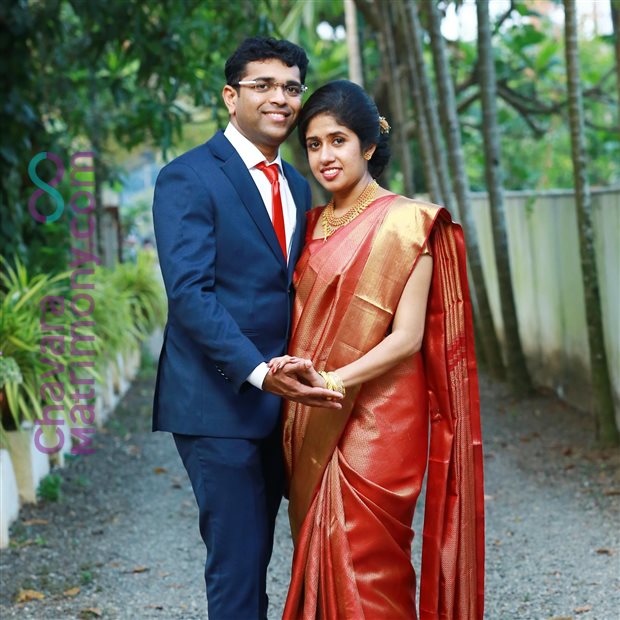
(601, 385)
(516, 368)
(99, 206)
(430, 108)
(409, 37)
(422, 128)
(615, 18)
(96, 147)
(486, 329)
(394, 74)
(353, 47)
(450, 121)
(378, 15)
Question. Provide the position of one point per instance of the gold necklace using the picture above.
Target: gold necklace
(330, 223)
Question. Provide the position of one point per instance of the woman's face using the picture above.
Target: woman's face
(335, 155)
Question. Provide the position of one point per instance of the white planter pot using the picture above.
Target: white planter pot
(122, 383)
(62, 453)
(127, 365)
(155, 342)
(137, 359)
(29, 463)
(51, 439)
(131, 362)
(102, 413)
(105, 401)
(119, 383)
(9, 497)
(107, 389)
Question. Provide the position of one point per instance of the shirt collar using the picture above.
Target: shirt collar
(248, 151)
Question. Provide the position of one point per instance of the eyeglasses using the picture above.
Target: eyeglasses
(290, 89)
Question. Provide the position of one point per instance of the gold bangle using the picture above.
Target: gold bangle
(326, 379)
(333, 382)
(339, 383)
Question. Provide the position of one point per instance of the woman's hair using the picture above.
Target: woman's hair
(352, 107)
(264, 48)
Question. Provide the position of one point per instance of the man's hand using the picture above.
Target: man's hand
(295, 379)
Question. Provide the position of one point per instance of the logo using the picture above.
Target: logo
(67, 327)
(46, 188)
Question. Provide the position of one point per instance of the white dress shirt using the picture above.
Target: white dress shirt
(251, 156)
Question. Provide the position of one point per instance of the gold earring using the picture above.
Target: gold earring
(367, 156)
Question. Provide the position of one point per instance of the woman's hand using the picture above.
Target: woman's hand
(296, 379)
(301, 367)
(277, 363)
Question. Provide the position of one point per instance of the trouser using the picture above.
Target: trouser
(238, 486)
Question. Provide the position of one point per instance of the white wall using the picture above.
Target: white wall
(546, 275)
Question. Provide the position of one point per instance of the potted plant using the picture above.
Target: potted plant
(23, 366)
(20, 335)
(115, 331)
(140, 283)
(9, 497)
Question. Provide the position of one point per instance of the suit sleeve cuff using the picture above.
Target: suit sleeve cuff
(257, 376)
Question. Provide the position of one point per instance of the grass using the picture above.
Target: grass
(50, 488)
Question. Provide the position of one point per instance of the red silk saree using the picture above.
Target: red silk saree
(355, 474)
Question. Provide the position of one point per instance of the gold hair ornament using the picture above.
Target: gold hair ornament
(384, 126)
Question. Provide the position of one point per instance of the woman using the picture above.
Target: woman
(382, 311)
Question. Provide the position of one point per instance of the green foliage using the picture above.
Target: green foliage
(105, 76)
(50, 488)
(128, 304)
(23, 128)
(112, 318)
(532, 107)
(139, 283)
(20, 336)
(9, 371)
(135, 216)
(93, 74)
(139, 67)
(298, 22)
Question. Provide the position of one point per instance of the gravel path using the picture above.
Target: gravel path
(125, 531)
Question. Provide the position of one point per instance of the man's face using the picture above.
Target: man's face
(266, 119)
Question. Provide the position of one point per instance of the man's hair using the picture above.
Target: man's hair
(263, 48)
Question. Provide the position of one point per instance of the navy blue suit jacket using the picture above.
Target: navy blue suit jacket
(229, 293)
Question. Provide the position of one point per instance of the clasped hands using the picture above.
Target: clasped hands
(296, 379)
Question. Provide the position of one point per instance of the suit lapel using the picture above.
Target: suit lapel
(240, 178)
(298, 190)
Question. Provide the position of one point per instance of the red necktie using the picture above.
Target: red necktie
(271, 172)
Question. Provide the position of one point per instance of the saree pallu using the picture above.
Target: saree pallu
(355, 474)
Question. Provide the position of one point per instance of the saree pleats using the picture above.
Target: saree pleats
(355, 474)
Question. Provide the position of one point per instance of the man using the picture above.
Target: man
(229, 231)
